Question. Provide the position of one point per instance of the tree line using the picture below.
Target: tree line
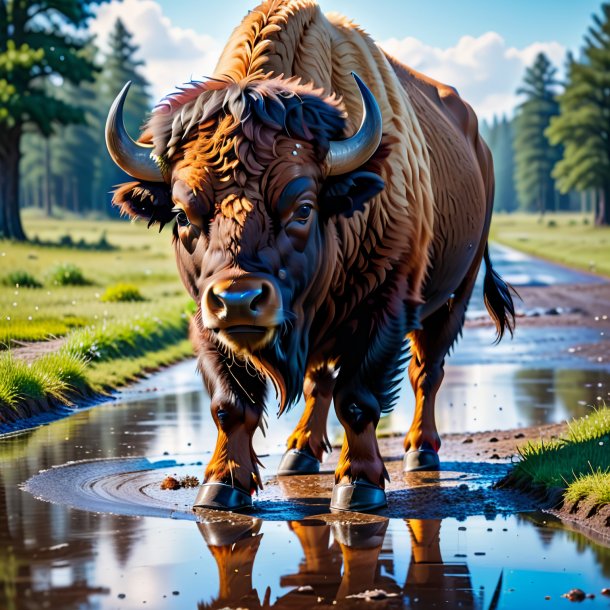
(555, 153)
(55, 90)
(56, 87)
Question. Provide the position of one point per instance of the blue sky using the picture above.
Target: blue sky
(481, 47)
(436, 22)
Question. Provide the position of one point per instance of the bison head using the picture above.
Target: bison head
(253, 174)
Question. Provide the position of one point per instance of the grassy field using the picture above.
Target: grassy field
(569, 239)
(108, 288)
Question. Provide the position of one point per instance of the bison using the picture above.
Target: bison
(330, 211)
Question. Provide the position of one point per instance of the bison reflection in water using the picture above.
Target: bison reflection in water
(314, 247)
(344, 564)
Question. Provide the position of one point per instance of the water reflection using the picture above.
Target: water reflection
(343, 564)
(54, 556)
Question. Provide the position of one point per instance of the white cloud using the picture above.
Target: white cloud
(172, 55)
(485, 70)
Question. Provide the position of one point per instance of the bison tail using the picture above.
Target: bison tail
(498, 299)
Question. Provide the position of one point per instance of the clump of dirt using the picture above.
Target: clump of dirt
(171, 483)
(189, 481)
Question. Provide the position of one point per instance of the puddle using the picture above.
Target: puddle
(101, 544)
(291, 553)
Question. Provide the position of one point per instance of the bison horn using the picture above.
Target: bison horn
(347, 155)
(132, 157)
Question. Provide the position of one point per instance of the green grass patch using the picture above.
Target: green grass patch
(579, 463)
(136, 256)
(20, 279)
(570, 239)
(118, 372)
(125, 346)
(122, 293)
(594, 487)
(112, 338)
(53, 376)
(68, 274)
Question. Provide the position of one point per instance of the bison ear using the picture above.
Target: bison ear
(151, 201)
(348, 193)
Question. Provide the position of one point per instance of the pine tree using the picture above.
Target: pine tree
(583, 127)
(535, 157)
(38, 40)
(499, 138)
(119, 66)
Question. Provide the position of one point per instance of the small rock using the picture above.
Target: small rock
(463, 487)
(170, 483)
(461, 528)
(121, 596)
(605, 592)
(590, 595)
(547, 597)
(466, 441)
(493, 439)
(575, 595)
(175, 592)
(494, 456)
(520, 435)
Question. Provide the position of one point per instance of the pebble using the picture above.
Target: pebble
(466, 441)
(605, 592)
(493, 439)
(575, 595)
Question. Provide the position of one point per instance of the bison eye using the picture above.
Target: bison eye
(182, 219)
(302, 213)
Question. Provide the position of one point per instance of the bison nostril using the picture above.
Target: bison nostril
(260, 299)
(215, 303)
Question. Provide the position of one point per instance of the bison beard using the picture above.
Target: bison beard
(313, 253)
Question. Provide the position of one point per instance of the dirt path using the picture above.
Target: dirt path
(30, 350)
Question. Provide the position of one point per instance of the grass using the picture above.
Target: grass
(21, 279)
(138, 256)
(122, 293)
(578, 463)
(107, 342)
(569, 239)
(68, 274)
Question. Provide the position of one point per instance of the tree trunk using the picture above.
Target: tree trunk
(602, 216)
(75, 193)
(10, 154)
(48, 206)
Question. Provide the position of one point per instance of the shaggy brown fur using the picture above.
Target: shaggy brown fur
(391, 248)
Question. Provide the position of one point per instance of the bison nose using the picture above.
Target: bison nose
(249, 300)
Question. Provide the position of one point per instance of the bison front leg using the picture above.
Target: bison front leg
(360, 475)
(237, 400)
(366, 387)
(308, 442)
